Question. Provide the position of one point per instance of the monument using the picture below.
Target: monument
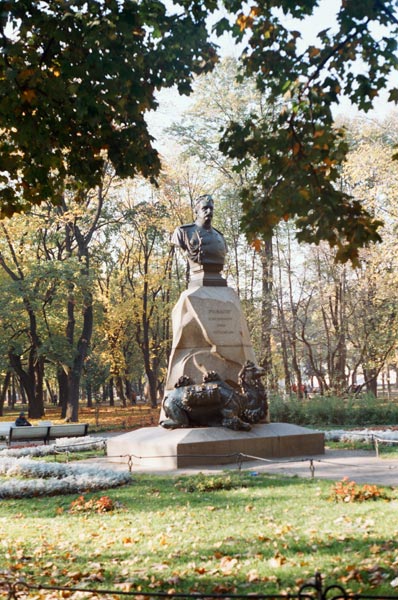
(214, 404)
(209, 329)
(212, 358)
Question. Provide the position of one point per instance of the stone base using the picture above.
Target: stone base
(156, 447)
(206, 278)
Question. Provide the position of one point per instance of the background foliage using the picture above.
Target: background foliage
(88, 275)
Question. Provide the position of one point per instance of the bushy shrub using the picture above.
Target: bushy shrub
(334, 411)
(207, 483)
(287, 410)
(349, 491)
(94, 505)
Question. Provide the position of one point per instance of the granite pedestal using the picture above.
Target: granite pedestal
(210, 333)
(205, 446)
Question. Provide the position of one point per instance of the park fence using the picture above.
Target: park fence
(314, 589)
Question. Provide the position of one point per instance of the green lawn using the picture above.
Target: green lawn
(263, 534)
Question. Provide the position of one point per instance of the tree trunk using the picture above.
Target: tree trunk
(105, 392)
(21, 391)
(111, 393)
(3, 394)
(37, 410)
(12, 393)
(371, 381)
(28, 382)
(63, 390)
(130, 393)
(89, 392)
(120, 390)
(266, 309)
(72, 409)
(53, 397)
(152, 388)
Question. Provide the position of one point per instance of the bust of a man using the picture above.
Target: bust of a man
(204, 245)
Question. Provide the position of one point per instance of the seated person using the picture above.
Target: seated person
(21, 421)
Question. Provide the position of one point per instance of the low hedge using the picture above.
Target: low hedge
(330, 411)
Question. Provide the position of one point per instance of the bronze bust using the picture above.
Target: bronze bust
(204, 245)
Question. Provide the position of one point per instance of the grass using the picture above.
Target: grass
(230, 533)
(350, 445)
(64, 457)
(387, 450)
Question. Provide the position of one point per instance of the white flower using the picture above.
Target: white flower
(23, 477)
(364, 435)
(61, 445)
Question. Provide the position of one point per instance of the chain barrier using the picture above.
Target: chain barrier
(313, 589)
(238, 457)
(381, 440)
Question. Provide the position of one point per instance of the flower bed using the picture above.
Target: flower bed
(361, 435)
(64, 445)
(23, 478)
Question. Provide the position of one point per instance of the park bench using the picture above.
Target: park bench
(46, 433)
(5, 427)
(71, 430)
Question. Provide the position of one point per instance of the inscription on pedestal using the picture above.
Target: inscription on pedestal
(209, 334)
(222, 321)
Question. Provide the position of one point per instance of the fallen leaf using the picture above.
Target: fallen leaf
(228, 565)
(252, 576)
(277, 561)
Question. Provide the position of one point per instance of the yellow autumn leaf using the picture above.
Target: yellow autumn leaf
(228, 565)
(28, 95)
(252, 576)
(304, 193)
(313, 51)
(254, 11)
(277, 560)
(200, 570)
(296, 148)
(244, 21)
(256, 244)
(55, 71)
(127, 541)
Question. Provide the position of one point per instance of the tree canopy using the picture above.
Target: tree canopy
(76, 78)
(301, 154)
